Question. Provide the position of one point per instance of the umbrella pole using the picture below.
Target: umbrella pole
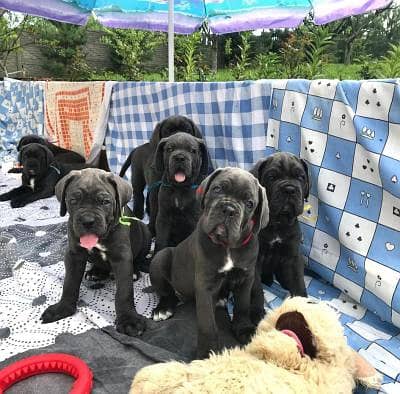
(171, 48)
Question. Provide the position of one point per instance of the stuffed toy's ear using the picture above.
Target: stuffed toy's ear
(61, 189)
(365, 373)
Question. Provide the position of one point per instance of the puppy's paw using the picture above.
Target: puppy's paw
(132, 325)
(4, 197)
(17, 203)
(160, 314)
(243, 331)
(57, 312)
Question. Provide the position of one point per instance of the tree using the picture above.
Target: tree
(11, 29)
(131, 48)
(62, 45)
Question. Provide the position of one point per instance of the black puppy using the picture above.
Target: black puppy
(95, 200)
(61, 155)
(218, 257)
(287, 182)
(143, 170)
(40, 173)
(183, 161)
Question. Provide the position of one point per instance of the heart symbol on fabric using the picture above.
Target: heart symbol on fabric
(389, 246)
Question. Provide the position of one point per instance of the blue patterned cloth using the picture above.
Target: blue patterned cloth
(232, 117)
(21, 113)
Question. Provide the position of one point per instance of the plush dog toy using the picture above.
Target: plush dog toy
(297, 348)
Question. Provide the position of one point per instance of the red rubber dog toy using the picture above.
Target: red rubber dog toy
(46, 363)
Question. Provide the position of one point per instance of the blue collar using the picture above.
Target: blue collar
(55, 169)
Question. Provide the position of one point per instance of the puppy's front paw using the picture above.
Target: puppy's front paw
(132, 325)
(57, 312)
(243, 331)
(4, 197)
(256, 315)
(17, 203)
(160, 313)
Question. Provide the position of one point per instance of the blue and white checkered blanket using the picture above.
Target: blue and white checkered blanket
(231, 115)
(349, 133)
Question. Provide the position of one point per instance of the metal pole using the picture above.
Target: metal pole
(171, 69)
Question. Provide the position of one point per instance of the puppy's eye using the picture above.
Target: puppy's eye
(193, 150)
(271, 177)
(73, 201)
(217, 189)
(169, 150)
(250, 204)
(301, 177)
(106, 202)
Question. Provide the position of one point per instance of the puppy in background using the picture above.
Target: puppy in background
(40, 174)
(61, 155)
(218, 257)
(183, 161)
(141, 161)
(286, 179)
(95, 201)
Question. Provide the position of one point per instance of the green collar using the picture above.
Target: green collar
(127, 220)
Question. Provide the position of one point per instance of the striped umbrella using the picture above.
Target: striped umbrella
(186, 16)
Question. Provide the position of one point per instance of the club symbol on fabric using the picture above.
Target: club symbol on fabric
(394, 179)
(367, 133)
(365, 197)
(378, 283)
(331, 187)
(389, 246)
(396, 211)
(292, 108)
(312, 150)
(317, 113)
(352, 264)
(325, 248)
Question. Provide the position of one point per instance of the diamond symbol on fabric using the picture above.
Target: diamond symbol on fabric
(394, 179)
(389, 246)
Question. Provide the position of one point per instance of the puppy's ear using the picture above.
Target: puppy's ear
(61, 189)
(205, 186)
(156, 136)
(21, 153)
(204, 157)
(307, 186)
(261, 214)
(258, 168)
(195, 130)
(123, 192)
(49, 157)
(159, 156)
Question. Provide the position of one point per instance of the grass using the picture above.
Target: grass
(329, 71)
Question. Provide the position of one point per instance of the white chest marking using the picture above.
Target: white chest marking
(176, 202)
(32, 183)
(102, 249)
(276, 240)
(228, 263)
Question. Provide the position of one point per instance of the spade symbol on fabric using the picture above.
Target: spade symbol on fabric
(289, 139)
(394, 179)
(338, 155)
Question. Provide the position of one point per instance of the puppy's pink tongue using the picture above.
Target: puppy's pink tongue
(88, 241)
(180, 177)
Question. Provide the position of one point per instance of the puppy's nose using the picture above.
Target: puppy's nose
(179, 158)
(88, 220)
(228, 210)
(289, 189)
